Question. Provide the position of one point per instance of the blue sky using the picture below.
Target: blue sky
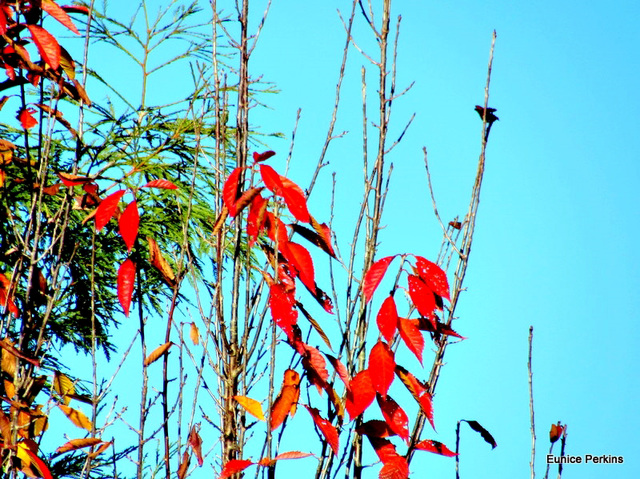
(557, 223)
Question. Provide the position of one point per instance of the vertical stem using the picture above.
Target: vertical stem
(458, 451)
(533, 428)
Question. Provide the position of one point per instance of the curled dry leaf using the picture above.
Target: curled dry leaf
(184, 465)
(486, 435)
(157, 353)
(554, 434)
(195, 441)
(158, 261)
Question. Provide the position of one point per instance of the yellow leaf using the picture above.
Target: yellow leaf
(157, 353)
(78, 444)
(251, 405)
(195, 334)
(63, 386)
(9, 388)
(76, 416)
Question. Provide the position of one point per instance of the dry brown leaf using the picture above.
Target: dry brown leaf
(158, 261)
(157, 353)
(184, 465)
(75, 444)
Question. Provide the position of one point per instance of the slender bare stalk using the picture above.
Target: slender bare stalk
(531, 410)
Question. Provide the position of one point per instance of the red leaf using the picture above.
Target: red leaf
(384, 448)
(381, 367)
(394, 416)
(72, 180)
(256, 218)
(387, 319)
(411, 336)
(107, 208)
(40, 464)
(47, 45)
(26, 119)
(315, 366)
(422, 296)
(435, 447)
(282, 305)
(230, 193)
(195, 441)
(160, 183)
(126, 280)
(128, 223)
(396, 468)
(59, 14)
(295, 199)
(298, 257)
(375, 428)
(258, 157)
(418, 391)
(373, 277)
(292, 455)
(6, 296)
(234, 466)
(329, 432)
(360, 394)
(276, 229)
(433, 276)
(340, 369)
(271, 179)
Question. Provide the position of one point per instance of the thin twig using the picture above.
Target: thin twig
(531, 412)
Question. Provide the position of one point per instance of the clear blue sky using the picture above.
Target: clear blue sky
(558, 219)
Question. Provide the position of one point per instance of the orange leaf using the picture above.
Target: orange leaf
(374, 275)
(126, 281)
(184, 465)
(77, 417)
(160, 183)
(194, 334)
(554, 434)
(195, 441)
(234, 466)
(25, 116)
(287, 399)
(360, 394)
(6, 296)
(107, 208)
(59, 14)
(435, 447)
(381, 367)
(157, 353)
(129, 223)
(327, 429)
(252, 406)
(47, 45)
(75, 444)
(291, 455)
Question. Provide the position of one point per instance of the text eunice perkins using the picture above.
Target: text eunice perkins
(585, 459)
